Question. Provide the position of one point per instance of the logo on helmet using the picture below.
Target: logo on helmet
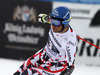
(55, 12)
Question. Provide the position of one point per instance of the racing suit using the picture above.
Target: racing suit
(58, 55)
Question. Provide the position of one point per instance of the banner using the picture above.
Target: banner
(86, 22)
(21, 33)
(76, 1)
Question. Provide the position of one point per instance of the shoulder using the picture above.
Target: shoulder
(71, 36)
(70, 33)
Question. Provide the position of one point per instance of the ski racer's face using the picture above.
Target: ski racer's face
(56, 24)
(56, 29)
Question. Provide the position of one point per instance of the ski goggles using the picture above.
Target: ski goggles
(57, 22)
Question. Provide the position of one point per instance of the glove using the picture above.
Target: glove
(16, 73)
(67, 71)
(43, 18)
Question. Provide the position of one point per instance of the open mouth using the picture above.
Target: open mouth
(55, 30)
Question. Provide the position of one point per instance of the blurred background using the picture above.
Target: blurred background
(21, 35)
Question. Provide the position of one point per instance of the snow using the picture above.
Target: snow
(9, 66)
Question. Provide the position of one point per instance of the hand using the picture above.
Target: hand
(67, 71)
(43, 18)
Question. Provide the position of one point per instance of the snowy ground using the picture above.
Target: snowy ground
(8, 67)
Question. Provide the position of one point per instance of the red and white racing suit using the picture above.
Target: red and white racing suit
(56, 56)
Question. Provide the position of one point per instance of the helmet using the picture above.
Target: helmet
(62, 14)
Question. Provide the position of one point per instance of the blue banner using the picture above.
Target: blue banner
(77, 1)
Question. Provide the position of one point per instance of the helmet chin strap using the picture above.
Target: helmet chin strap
(63, 26)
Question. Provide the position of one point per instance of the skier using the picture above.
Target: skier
(58, 56)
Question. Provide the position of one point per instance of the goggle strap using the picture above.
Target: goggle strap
(67, 20)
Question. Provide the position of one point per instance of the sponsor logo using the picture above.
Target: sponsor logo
(55, 12)
(15, 33)
(72, 43)
(25, 14)
(80, 11)
(88, 49)
(68, 52)
(55, 39)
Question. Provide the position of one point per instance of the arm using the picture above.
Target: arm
(23, 67)
(67, 71)
(33, 61)
(70, 50)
